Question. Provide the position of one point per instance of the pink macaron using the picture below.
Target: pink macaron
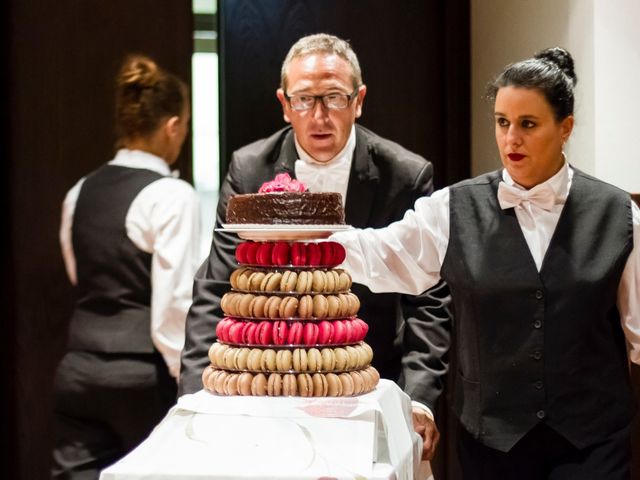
(280, 332)
(327, 252)
(263, 254)
(325, 332)
(250, 252)
(364, 326)
(280, 253)
(249, 333)
(310, 333)
(264, 333)
(294, 336)
(222, 329)
(235, 332)
(339, 253)
(241, 252)
(339, 333)
(349, 333)
(358, 332)
(298, 254)
(314, 254)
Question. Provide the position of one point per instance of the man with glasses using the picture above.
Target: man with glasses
(322, 94)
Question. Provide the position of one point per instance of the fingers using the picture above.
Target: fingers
(427, 429)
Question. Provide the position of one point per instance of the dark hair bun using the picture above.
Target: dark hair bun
(562, 59)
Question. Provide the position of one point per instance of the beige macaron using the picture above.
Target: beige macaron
(320, 306)
(244, 383)
(272, 307)
(332, 281)
(218, 355)
(254, 359)
(271, 282)
(218, 382)
(231, 384)
(288, 281)
(255, 280)
(305, 385)
(319, 281)
(305, 306)
(274, 385)
(268, 360)
(358, 382)
(288, 307)
(304, 283)
(314, 360)
(289, 385)
(347, 384)
(242, 357)
(284, 360)
(259, 385)
(334, 385)
(229, 358)
(256, 307)
(328, 359)
(342, 358)
(300, 360)
(244, 304)
(320, 386)
(344, 281)
(352, 353)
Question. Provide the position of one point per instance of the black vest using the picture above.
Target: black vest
(112, 312)
(544, 346)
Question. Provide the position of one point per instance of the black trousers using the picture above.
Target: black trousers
(543, 454)
(104, 406)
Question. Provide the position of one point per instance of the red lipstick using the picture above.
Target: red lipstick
(515, 156)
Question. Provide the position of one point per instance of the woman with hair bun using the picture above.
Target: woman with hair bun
(129, 237)
(543, 265)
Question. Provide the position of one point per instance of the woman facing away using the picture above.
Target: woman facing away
(543, 265)
(129, 237)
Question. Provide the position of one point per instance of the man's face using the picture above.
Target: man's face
(322, 132)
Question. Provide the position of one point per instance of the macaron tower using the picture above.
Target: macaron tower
(291, 326)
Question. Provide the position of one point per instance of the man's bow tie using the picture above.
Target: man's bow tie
(541, 195)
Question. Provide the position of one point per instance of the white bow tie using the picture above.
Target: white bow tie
(541, 195)
(321, 177)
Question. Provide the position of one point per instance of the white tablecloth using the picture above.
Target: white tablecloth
(209, 436)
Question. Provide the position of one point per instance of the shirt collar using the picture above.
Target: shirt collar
(560, 183)
(344, 156)
(139, 159)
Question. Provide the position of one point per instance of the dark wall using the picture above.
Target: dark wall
(62, 58)
(414, 57)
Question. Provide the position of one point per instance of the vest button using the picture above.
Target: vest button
(539, 294)
(537, 355)
(537, 324)
(540, 414)
(538, 384)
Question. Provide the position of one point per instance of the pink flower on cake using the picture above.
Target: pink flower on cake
(283, 183)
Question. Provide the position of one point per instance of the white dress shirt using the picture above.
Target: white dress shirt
(407, 256)
(163, 220)
(331, 176)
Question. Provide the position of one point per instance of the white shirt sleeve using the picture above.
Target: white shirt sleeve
(66, 222)
(629, 292)
(406, 256)
(164, 220)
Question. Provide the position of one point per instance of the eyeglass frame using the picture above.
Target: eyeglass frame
(350, 97)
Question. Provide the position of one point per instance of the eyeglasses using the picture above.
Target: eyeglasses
(332, 101)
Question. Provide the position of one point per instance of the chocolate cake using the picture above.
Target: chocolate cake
(303, 208)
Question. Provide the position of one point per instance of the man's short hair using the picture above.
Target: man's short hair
(322, 43)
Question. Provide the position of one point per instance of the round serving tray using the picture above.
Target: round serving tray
(261, 233)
